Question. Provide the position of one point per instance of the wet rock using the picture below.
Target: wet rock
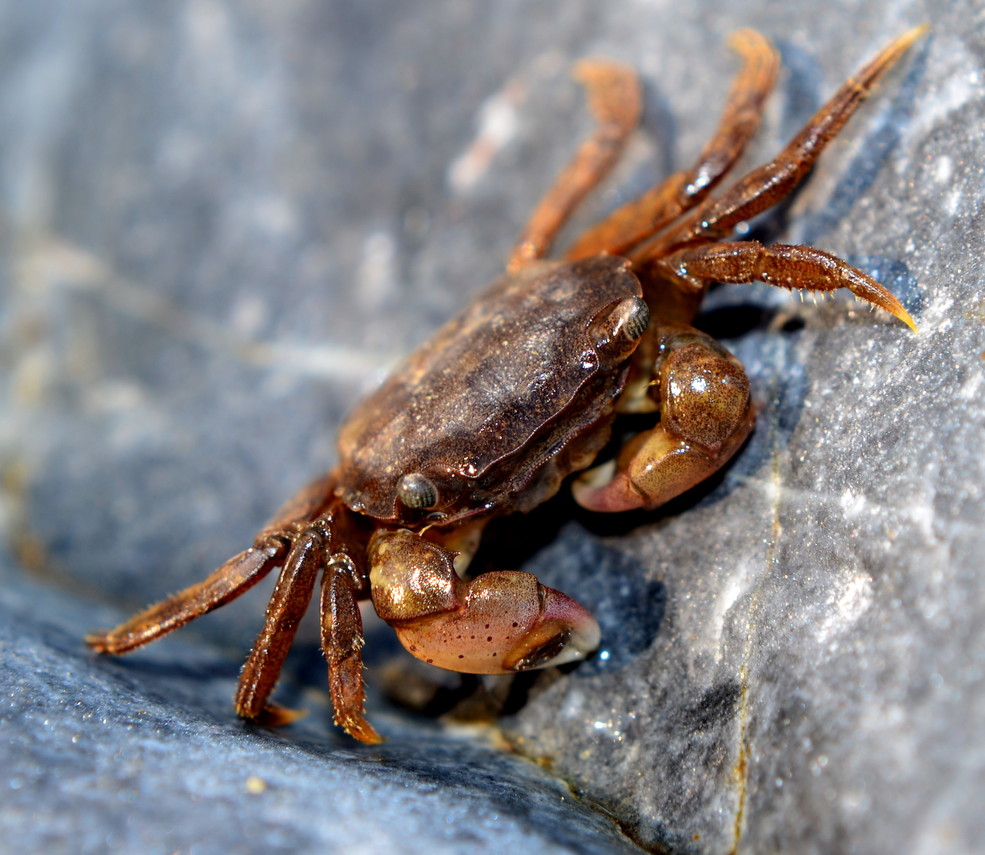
(221, 223)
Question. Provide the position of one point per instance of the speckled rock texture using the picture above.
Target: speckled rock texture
(221, 222)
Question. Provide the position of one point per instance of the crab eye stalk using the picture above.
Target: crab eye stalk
(416, 491)
(617, 333)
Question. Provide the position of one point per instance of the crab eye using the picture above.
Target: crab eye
(617, 332)
(414, 490)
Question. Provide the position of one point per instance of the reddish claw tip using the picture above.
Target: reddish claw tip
(568, 634)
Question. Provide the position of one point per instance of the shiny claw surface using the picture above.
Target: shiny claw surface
(705, 414)
(499, 622)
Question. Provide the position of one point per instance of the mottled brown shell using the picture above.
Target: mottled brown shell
(500, 401)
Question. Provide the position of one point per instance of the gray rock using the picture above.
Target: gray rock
(222, 222)
(145, 757)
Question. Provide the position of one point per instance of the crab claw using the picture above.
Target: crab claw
(497, 623)
(706, 413)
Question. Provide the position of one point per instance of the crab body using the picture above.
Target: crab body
(504, 402)
(519, 391)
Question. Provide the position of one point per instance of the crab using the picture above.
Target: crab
(520, 391)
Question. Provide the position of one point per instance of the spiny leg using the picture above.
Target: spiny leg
(637, 220)
(764, 187)
(237, 575)
(613, 93)
(342, 643)
(781, 265)
(287, 606)
(702, 394)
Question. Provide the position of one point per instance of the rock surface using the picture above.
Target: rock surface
(220, 224)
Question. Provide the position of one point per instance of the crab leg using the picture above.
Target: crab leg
(233, 578)
(645, 216)
(287, 606)
(342, 642)
(764, 187)
(782, 265)
(498, 623)
(238, 574)
(614, 98)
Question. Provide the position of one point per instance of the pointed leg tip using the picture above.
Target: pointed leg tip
(593, 70)
(277, 716)
(98, 641)
(749, 41)
(899, 46)
(904, 316)
(914, 34)
(360, 729)
(885, 300)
